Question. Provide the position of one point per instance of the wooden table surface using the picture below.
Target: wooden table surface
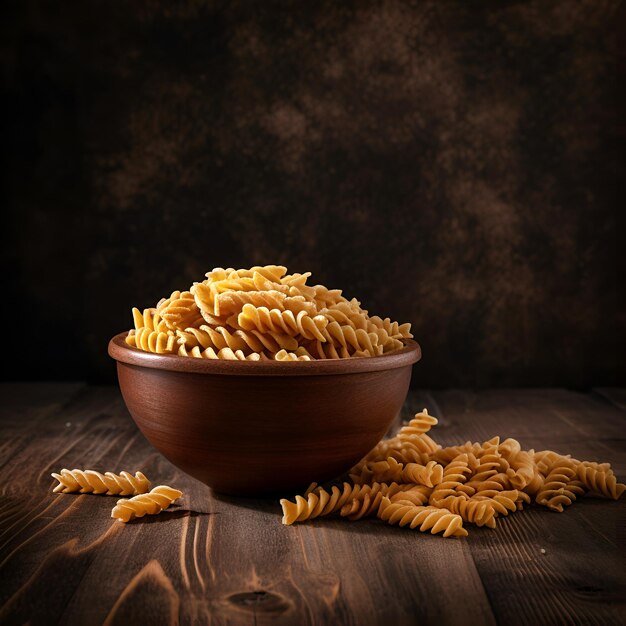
(223, 560)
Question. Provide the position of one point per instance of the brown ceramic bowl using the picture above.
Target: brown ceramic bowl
(260, 427)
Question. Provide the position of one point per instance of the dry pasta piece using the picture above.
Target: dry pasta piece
(546, 458)
(249, 341)
(454, 474)
(153, 341)
(384, 471)
(367, 501)
(318, 502)
(148, 318)
(445, 455)
(283, 355)
(345, 314)
(351, 314)
(605, 467)
(151, 333)
(325, 297)
(266, 320)
(510, 448)
(273, 273)
(426, 518)
(522, 499)
(522, 470)
(90, 481)
(393, 329)
(145, 504)
(408, 453)
(557, 490)
(233, 301)
(429, 475)
(502, 502)
(194, 338)
(296, 280)
(327, 350)
(352, 340)
(416, 494)
(600, 481)
(418, 426)
(472, 511)
(180, 311)
(225, 354)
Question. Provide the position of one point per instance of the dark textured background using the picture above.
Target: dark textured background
(452, 164)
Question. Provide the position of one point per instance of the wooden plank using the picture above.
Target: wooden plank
(615, 395)
(580, 577)
(561, 415)
(230, 561)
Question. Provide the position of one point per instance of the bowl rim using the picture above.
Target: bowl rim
(129, 355)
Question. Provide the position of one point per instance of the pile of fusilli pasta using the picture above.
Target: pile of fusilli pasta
(412, 481)
(263, 313)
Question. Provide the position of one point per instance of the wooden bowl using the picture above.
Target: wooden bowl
(261, 427)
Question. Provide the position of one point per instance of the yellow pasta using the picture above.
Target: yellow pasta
(145, 504)
(266, 311)
(410, 480)
(90, 481)
(454, 475)
(599, 481)
(415, 494)
(152, 341)
(266, 320)
(501, 502)
(472, 511)
(318, 502)
(522, 470)
(151, 333)
(368, 500)
(418, 426)
(427, 518)
(557, 490)
(180, 310)
(429, 475)
(299, 355)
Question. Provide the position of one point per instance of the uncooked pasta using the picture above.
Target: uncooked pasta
(90, 481)
(410, 480)
(145, 504)
(263, 313)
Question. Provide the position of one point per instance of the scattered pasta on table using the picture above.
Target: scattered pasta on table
(410, 480)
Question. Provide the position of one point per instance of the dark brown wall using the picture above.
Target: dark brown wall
(452, 164)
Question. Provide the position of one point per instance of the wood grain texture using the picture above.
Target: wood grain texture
(615, 395)
(224, 560)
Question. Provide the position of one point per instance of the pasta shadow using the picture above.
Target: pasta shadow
(168, 514)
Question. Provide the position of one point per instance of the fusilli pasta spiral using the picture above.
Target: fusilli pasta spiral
(90, 481)
(601, 482)
(318, 502)
(145, 504)
(426, 518)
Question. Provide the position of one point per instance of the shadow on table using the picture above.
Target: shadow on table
(167, 515)
(269, 504)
